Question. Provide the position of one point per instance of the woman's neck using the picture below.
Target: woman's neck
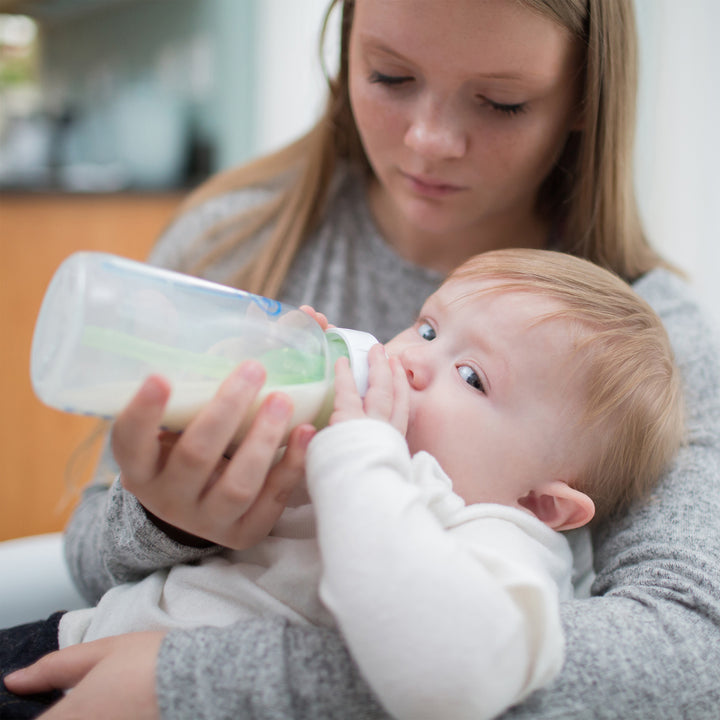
(444, 252)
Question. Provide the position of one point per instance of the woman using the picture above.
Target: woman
(452, 128)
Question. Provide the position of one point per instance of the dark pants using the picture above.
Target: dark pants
(19, 647)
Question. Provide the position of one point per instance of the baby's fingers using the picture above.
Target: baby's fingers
(379, 399)
(319, 317)
(401, 396)
(348, 404)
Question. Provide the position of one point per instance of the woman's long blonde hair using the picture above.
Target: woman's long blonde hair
(588, 197)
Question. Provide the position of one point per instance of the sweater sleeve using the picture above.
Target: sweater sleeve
(110, 540)
(450, 611)
(264, 669)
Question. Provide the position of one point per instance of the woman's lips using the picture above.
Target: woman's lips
(430, 187)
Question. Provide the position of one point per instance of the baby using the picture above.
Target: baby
(534, 392)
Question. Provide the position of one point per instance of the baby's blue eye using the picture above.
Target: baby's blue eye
(426, 331)
(471, 377)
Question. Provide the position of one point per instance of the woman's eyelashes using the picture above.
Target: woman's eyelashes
(509, 109)
(471, 377)
(503, 108)
(390, 80)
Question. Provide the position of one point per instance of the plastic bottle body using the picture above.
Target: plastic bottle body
(106, 323)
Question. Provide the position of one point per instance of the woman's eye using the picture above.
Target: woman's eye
(509, 109)
(426, 331)
(471, 377)
(392, 80)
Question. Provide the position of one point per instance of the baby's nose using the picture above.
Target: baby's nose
(417, 368)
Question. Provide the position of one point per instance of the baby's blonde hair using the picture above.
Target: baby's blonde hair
(634, 409)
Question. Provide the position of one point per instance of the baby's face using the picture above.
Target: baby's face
(494, 396)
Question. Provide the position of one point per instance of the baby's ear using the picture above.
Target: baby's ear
(559, 506)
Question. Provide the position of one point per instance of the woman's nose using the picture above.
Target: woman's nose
(435, 132)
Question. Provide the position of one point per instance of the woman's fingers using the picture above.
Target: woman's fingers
(58, 670)
(134, 434)
(112, 678)
(238, 487)
(196, 454)
(186, 481)
(285, 477)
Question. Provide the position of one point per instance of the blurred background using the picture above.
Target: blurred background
(105, 95)
(111, 110)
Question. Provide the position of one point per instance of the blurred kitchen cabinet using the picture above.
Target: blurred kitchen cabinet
(37, 232)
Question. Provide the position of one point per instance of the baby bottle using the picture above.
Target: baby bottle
(107, 322)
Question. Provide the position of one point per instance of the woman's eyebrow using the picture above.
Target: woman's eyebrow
(373, 43)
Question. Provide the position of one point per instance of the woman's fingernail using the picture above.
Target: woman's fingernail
(154, 389)
(252, 371)
(279, 406)
(307, 433)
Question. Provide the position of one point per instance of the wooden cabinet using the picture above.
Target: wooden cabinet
(36, 443)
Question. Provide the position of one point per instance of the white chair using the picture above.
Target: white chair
(35, 580)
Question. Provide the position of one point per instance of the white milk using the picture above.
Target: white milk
(187, 398)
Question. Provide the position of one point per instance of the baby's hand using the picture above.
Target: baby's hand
(388, 394)
(317, 316)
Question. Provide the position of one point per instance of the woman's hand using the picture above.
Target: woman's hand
(387, 397)
(188, 482)
(112, 678)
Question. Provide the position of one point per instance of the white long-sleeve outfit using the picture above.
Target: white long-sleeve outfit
(451, 611)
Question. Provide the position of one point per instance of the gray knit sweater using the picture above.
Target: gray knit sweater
(645, 645)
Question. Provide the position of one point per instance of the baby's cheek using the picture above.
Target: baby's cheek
(422, 433)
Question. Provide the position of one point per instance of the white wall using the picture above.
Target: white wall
(291, 87)
(678, 140)
(678, 145)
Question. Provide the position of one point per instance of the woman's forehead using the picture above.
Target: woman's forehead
(495, 37)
